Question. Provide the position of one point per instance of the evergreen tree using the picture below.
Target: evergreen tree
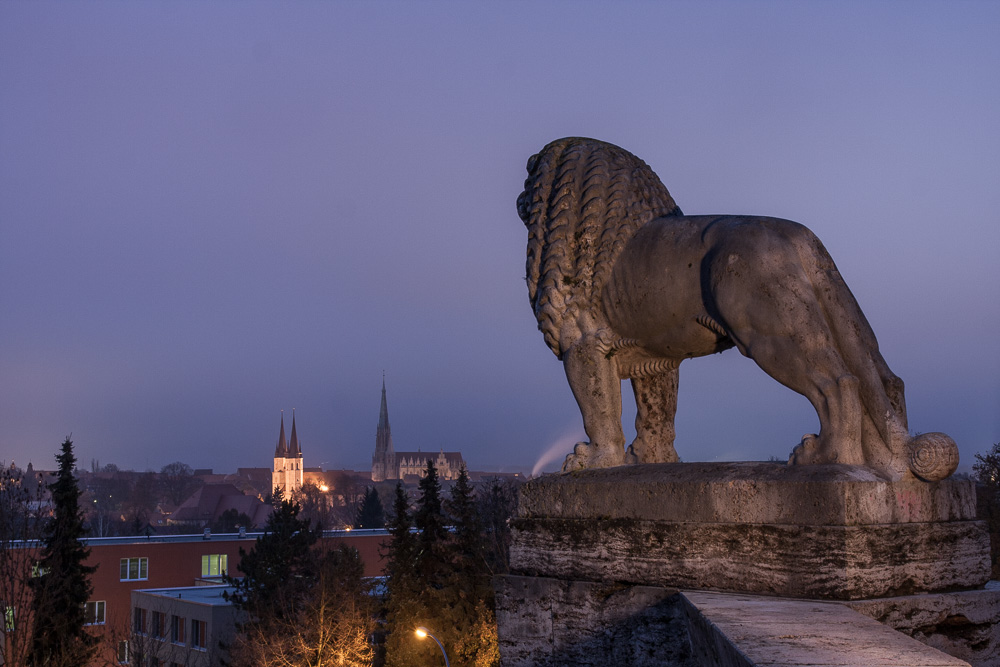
(370, 512)
(416, 593)
(62, 588)
(275, 570)
(432, 532)
(330, 625)
(470, 596)
(401, 583)
(447, 587)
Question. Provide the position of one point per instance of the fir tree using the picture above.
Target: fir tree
(470, 596)
(401, 583)
(275, 569)
(370, 512)
(432, 553)
(416, 594)
(63, 587)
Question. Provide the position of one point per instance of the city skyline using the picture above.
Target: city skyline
(212, 212)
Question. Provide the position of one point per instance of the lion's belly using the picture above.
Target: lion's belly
(654, 292)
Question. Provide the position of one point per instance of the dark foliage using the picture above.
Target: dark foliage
(230, 521)
(276, 566)
(370, 512)
(63, 586)
(304, 605)
(439, 579)
(987, 471)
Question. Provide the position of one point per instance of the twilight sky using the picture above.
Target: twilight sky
(210, 212)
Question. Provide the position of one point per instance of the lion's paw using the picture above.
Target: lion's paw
(588, 455)
(807, 451)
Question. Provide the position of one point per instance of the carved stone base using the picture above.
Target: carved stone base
(826, 532)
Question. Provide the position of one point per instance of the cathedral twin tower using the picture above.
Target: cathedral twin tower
(288, 466)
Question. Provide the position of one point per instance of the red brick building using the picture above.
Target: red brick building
(125, 564)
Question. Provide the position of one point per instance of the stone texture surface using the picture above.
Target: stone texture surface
(554, 623)
(746, 492)
(743, 630)
(834, 562)
(964, 624)
(547, 623)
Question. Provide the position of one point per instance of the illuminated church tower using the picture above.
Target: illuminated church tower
(384, 459)
(287, 461)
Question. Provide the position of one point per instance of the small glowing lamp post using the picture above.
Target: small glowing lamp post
(424, 632)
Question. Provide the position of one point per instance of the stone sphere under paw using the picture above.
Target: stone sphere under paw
(933, 456)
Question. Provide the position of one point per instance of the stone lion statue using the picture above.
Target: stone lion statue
(623, 285)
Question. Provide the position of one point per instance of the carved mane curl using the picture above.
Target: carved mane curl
(582, 201)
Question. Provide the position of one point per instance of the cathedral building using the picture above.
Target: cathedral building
(388, 464)
(288, 466)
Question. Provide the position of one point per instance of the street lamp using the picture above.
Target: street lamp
(424, 632)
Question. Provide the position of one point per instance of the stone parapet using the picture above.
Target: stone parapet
(747, 492)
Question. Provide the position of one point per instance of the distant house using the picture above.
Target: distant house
(208, 503)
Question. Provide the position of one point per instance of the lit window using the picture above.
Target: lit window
(37, 569)
(139, 621)
(123, 653)
(214, 565)
(94, 613)
(198, 638)
(177, 629)
(8, 619)
(134, 569)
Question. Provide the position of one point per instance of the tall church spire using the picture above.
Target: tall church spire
(383, 413)
(384, 459)
(281, 451)
(293, 447)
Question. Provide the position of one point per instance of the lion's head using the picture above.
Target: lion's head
(582, 201)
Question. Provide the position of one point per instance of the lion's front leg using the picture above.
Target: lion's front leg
(655, 407)
(597, 389)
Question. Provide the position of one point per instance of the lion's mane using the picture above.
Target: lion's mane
(582, 201)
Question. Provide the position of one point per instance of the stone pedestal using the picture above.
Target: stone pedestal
(822, 532)
(614, 566)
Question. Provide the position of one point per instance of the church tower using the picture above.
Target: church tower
(293, 464)
(384, 459)
(287, 461)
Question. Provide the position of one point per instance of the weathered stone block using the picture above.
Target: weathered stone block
(545, 622)
(830, 531)
(964, 624)
(833, 562)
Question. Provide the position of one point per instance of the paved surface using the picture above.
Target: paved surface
(800, 633)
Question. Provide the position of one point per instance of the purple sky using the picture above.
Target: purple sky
(210, 212)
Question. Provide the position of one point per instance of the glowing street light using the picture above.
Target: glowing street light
(424, 632)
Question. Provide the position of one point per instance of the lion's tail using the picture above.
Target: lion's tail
(582, 201)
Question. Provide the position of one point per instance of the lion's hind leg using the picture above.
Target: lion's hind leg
(597, 389)
(786, 333)
(655, 407)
